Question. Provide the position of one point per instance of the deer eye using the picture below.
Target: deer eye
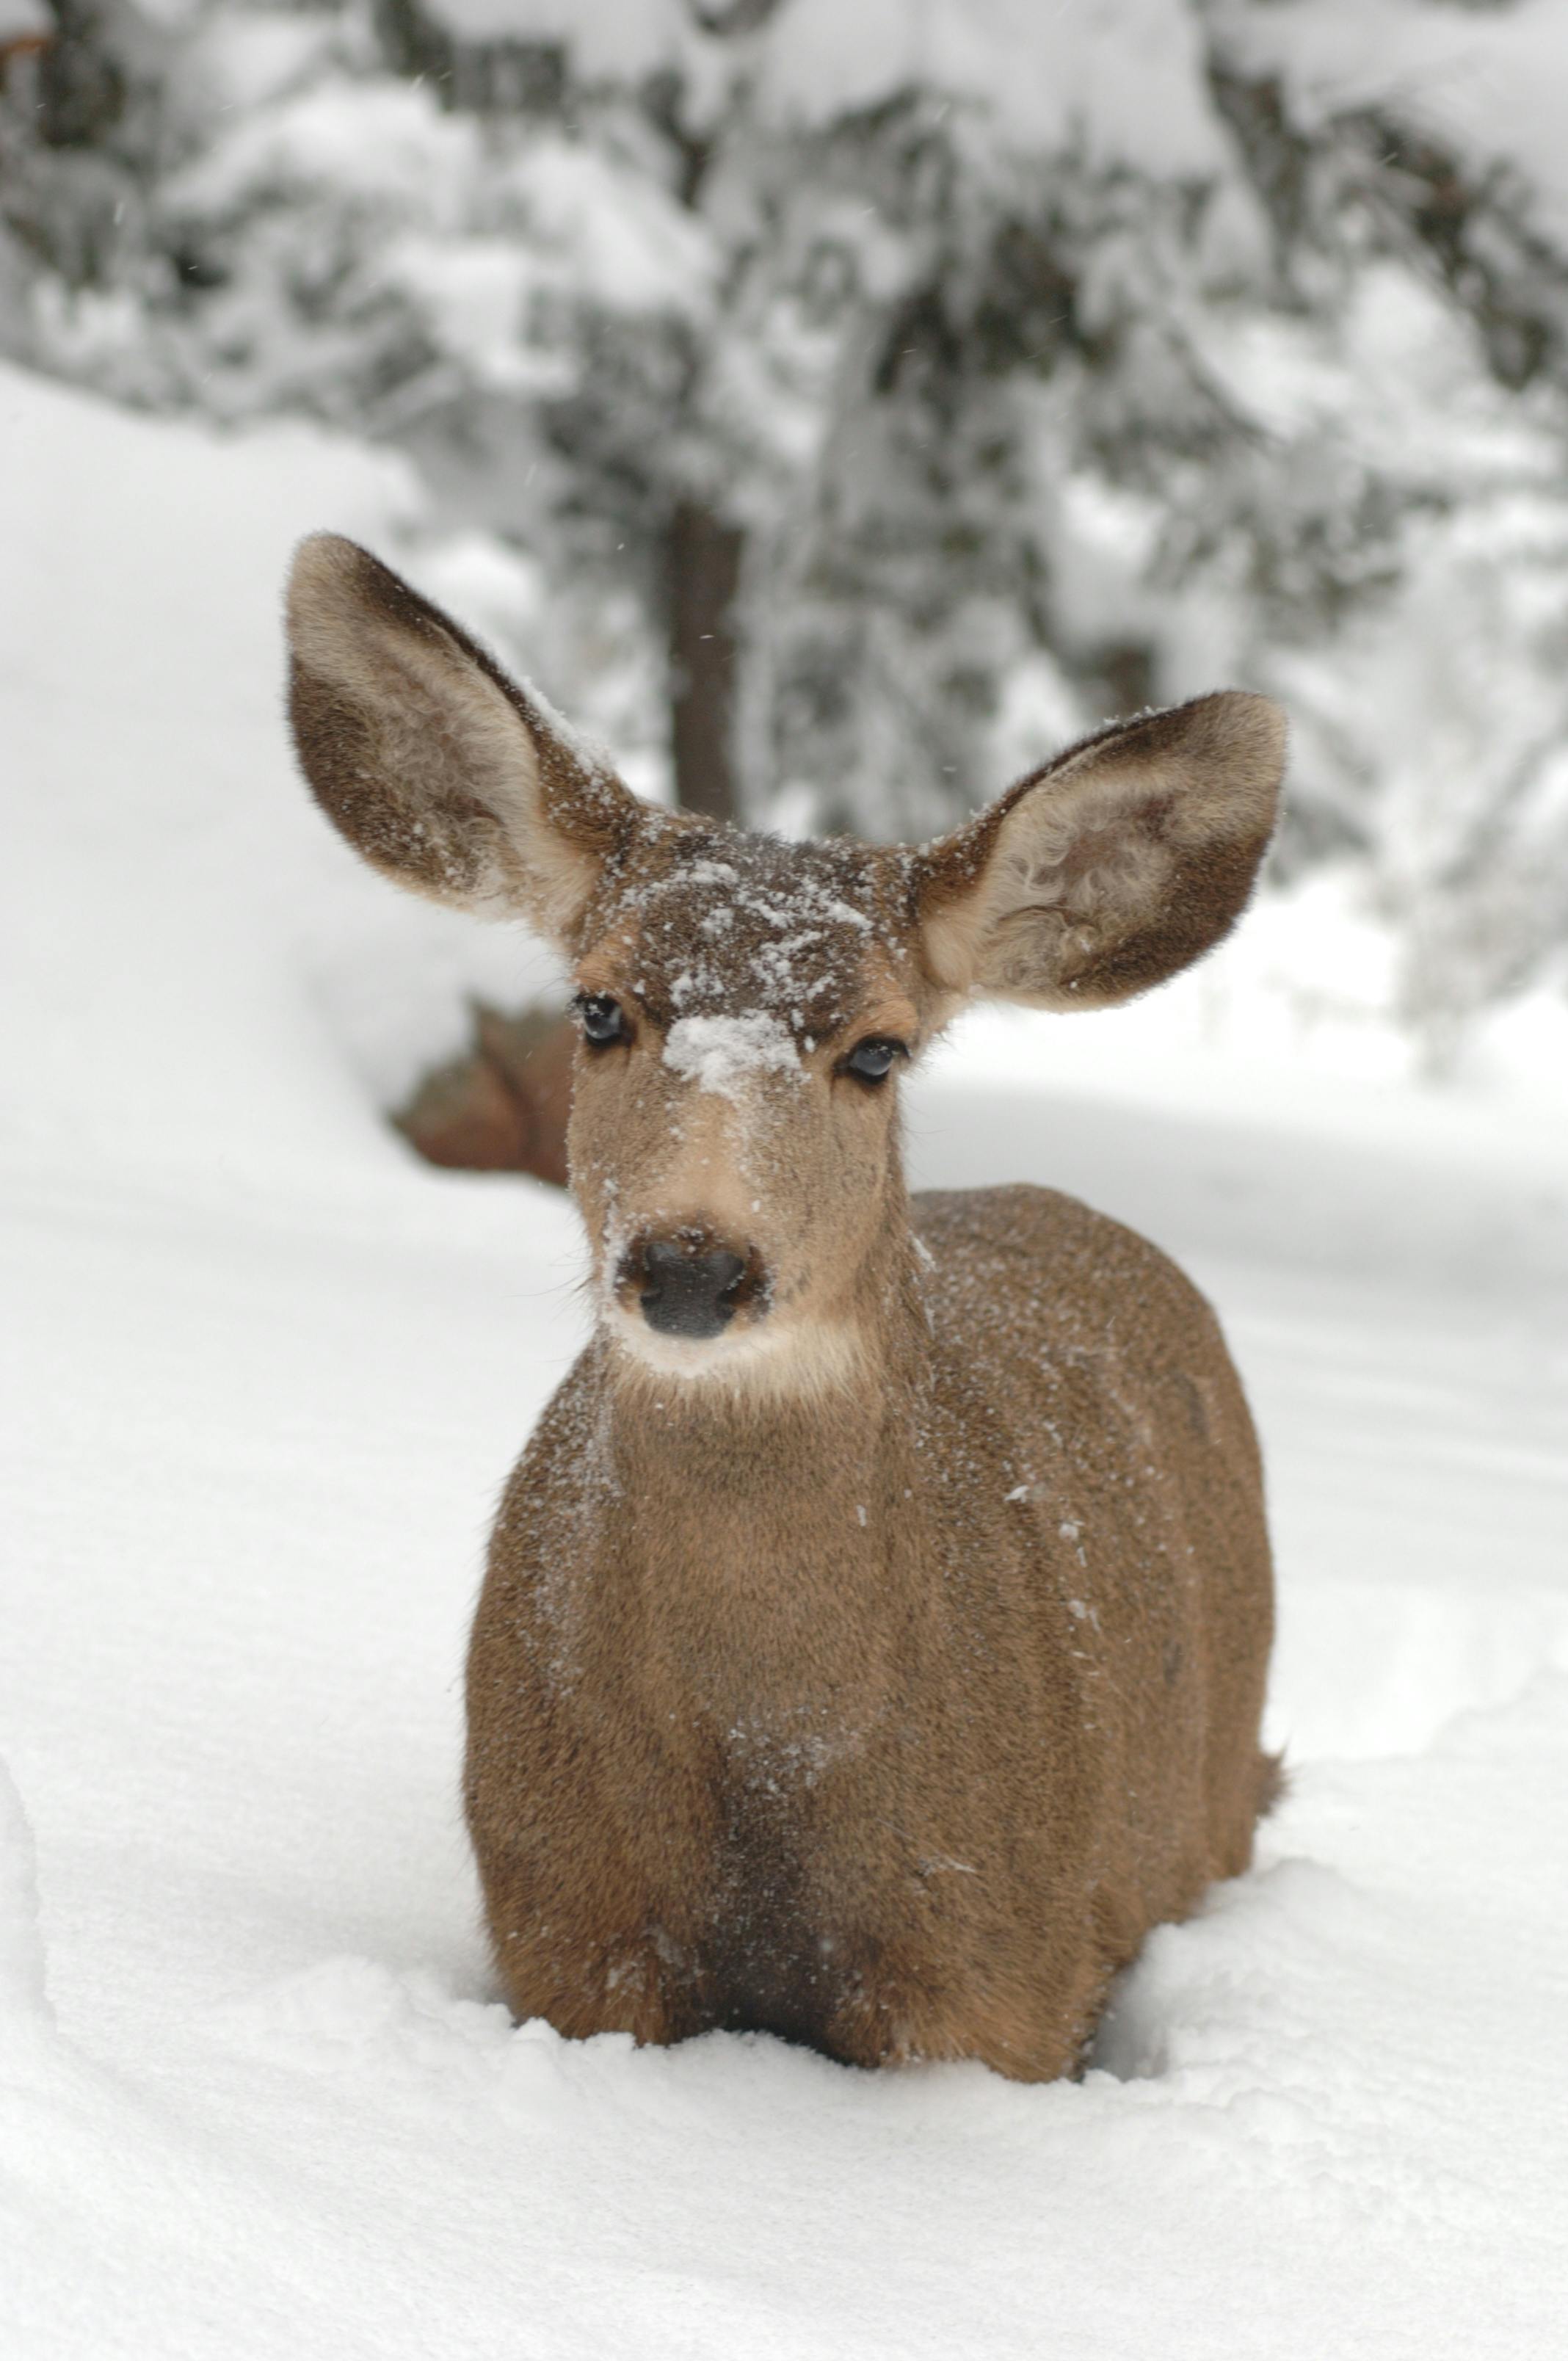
(871, 1061)
(603, 1021)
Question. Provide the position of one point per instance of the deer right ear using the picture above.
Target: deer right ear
(1114, 867)
(439, 770)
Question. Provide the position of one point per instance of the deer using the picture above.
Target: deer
(873, 1638)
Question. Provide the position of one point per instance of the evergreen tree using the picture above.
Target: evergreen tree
(878, 403)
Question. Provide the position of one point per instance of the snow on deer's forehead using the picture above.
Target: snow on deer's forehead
(740, 926)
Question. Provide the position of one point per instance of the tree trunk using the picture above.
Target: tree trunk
(82, 76)
(704, 572)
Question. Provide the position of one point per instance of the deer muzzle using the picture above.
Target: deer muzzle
(687, 1285)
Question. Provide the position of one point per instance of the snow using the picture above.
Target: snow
(727, 1054)
(1485, 81)
(263, 1376)
(1121, 78)
(23, 20)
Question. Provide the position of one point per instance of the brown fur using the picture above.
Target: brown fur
(879, 1670)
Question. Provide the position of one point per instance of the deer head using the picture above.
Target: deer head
(746, 1006)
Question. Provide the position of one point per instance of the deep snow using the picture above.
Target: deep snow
(263, 1376)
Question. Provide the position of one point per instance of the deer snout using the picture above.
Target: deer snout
(687, 1285)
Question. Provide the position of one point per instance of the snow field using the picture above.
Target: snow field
(263, 1378)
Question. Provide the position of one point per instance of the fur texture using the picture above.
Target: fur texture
(877, 1670)
(1116, 865)
(890, 1720)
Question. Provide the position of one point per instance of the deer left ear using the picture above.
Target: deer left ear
(1114, 867)
(442, 772)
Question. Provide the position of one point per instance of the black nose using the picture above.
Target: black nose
(688, 1294)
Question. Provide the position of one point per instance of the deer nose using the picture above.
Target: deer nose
(685, 1293)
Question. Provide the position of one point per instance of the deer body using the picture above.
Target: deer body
(897, 1736)
(873, 1642)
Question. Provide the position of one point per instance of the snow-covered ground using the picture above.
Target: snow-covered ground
(262, 1379)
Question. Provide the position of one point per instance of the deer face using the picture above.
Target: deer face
(746, 1006)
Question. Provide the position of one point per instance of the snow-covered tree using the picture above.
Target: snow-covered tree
(866, 398)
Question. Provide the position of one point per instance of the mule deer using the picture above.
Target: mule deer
(875, 1629)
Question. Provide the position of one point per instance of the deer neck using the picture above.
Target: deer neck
(755, 1525)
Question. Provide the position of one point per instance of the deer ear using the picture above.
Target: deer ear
(444, 774)
(1115, 866)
